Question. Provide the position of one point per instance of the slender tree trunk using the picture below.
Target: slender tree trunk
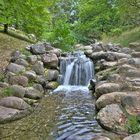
(5, 28)
(16, 25)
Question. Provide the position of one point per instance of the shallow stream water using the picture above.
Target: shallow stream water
(66, 114)
(77, 118)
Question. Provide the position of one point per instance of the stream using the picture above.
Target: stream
(67, 113)
(77, 118)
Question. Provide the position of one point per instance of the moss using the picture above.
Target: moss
(53, 84)
(103, 75)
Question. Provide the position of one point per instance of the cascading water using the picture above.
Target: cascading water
(76, 69)
(77, 118)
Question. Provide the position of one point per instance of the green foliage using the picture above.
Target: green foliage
(29, 16)
(133, 125)
(7, 91)
(66, 22)
(61, 35)
(96, 17)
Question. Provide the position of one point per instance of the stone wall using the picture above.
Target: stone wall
(30, 75)
(117, 85)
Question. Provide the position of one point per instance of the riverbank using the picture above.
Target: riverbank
(31, 76)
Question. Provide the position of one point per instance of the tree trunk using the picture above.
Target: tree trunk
(5, 28)
(16, 26)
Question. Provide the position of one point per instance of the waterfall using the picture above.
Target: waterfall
(77, 118)
(76, 69)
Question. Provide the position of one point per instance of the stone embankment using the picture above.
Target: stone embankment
(117, 86)
(30, 75)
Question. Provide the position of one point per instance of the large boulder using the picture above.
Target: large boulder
(88, 53)
(38, 68)
(98, 55)
(31, 75)
(38, 48)
(125, 67)
(136, 54)
(18, 91)
(107, 64)
(7, 114)
(41, 48)
(52, 85)
(134, 81)
(110, 98)
(109, 56)
(55, 51)
(15, 68)
(135, 62)
(131, 103)
(135, 46)
(115, 78)
(106, 88)
(97, 46)
(51, 75)
(132, 73)
(32, 59)
(50, 60)
(41, 79)
(21, 61)
(33, 93)
(113, 47)
(18, 80)
(112, 118)
(14, 102)
(38, 87)
(133, 137)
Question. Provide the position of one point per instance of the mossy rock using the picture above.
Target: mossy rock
(103, 75)
(53, 85)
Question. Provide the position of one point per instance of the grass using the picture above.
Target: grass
(133, 125)
(8, 91)
(132, 35)
(7, 45)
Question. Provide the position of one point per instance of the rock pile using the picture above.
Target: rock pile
(118, 85)
(28, 77)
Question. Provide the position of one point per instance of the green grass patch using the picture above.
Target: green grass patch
(8, 42)
(25, 52)
(7, 91)
(132, 35)
(133, 124)
(18, 34)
